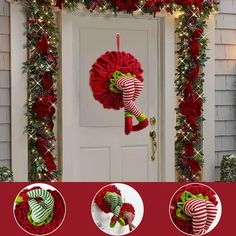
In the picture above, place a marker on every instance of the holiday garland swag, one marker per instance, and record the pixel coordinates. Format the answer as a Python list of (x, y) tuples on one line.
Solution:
[(42, 70)]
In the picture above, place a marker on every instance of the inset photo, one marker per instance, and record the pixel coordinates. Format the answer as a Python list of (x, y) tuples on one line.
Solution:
[(39, 209), (117, 209), (195, 209)]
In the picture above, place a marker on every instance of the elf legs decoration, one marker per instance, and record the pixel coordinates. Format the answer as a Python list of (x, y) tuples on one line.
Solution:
[(109, 200), (40, 210), (131, 88), (115, 202), (203, 214)]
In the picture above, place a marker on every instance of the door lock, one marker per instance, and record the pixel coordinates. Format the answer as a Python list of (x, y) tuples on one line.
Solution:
[(153, 121)]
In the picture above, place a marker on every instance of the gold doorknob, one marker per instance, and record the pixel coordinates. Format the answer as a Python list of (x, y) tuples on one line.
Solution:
[(153, 121), (153, 136)]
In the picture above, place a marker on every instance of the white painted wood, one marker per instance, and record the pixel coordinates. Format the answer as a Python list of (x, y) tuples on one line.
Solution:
[(76, 132), (4, 97), (5, 79), (209, 106), (225, 128), (4, 115), (137, 155), (228, 6), (218, 36), (225, 82), (4, 133), (4, 61), (4, 25), (4, 8), (225, 113), (91, 160), (19, 147), (229, 37), (226, 98), (225, 21), (225, 143), (167, 130), (4, 43), (5, 151)]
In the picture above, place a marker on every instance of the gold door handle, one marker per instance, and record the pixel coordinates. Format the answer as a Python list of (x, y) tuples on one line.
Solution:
[(153, 136)]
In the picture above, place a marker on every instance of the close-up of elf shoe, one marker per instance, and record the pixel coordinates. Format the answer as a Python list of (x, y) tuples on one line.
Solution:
[(39, 209), (117, 209), (195, 209)]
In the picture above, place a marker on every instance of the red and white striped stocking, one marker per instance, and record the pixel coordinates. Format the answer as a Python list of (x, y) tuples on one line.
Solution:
[(211, 214), (131, 88), (203, 213)]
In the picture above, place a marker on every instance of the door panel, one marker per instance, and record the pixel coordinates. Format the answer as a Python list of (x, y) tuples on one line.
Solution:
[(100, 150)]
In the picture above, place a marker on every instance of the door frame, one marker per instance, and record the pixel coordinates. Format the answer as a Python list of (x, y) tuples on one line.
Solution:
[(19, 96)]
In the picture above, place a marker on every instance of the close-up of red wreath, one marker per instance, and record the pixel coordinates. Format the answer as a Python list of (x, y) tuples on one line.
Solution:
[(116, 81), (109, 200), (22, 211), (194, 195)]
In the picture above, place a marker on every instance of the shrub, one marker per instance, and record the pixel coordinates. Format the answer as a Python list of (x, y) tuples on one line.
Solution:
[(228, 168)]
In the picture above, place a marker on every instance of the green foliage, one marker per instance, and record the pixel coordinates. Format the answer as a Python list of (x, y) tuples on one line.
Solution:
[(6, 175), (228, 168)]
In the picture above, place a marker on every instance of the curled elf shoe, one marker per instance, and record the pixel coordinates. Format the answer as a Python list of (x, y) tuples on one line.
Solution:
[(143, 123), (128, 123), (121, 221), (41, 211), (113, 221)]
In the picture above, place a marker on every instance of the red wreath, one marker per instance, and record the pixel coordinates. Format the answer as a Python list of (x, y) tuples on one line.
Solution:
[(22, 210), (99, 200), (102, 71), (186, 226)]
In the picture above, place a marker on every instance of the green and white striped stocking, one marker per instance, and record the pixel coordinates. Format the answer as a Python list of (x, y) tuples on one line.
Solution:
[(40, 211)]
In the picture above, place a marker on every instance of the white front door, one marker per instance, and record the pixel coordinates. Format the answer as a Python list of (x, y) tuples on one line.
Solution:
[(95, 147)]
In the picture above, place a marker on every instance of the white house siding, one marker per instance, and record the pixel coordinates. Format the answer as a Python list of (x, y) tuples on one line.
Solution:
[(225, 95), (5, 143)]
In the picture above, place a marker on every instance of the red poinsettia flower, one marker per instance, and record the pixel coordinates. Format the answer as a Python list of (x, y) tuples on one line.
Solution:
[(59, 3), (49, 162), (50, 124), (194, 166), (194, 48), (189, 149), (184, 2), (195, 137), (197, 32), (125, 5), (41, 145), (43, 107), (198, 3), (47, 81), (191, 108), (53, 61), (193, 73), (188, 89), (43, 44)]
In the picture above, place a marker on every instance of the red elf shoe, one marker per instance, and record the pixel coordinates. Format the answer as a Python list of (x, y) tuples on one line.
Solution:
[(143, 123), (128, 122)]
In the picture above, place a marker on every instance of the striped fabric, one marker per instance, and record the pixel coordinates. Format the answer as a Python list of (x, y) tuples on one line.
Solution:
[(203, 213), (115, 201), (131, 88), (40, 211)]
